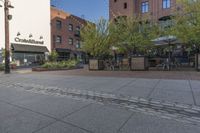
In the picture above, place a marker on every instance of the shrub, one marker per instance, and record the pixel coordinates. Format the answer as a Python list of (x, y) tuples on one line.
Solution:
[(60, 65), (53, 56)]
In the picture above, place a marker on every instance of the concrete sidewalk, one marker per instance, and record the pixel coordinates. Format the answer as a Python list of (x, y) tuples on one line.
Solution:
[(29, 103)]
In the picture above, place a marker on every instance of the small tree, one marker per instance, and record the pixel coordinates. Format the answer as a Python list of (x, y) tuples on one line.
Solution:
[(53, 56), (132, 34), (96, 39)]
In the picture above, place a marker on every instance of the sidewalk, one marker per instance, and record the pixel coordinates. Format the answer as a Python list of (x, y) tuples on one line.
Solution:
[(55, 103), (185, 75)]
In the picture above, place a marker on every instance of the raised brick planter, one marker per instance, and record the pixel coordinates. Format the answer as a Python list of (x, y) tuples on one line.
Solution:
[(40, 69)]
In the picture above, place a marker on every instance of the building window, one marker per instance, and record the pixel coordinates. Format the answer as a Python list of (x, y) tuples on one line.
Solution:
[(58, 24), (78, 28), (70, 41), (125, 5), (145, 7), (77, 32), (70, 28), (58, 39), (166, 4), (78, 45)]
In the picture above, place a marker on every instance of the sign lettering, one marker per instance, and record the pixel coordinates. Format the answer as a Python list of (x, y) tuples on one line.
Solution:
[(31, 41)]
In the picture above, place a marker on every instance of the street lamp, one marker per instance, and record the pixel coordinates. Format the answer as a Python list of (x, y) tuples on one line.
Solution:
[(8, 17)]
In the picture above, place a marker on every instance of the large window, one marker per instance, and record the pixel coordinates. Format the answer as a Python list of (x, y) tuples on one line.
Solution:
[(58, 24), (145, 7), (166, 4)]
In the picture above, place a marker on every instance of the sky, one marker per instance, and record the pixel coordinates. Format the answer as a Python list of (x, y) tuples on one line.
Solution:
[(89, 9)]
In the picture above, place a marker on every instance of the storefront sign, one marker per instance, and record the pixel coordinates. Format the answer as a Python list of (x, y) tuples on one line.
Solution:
[(31, 41)]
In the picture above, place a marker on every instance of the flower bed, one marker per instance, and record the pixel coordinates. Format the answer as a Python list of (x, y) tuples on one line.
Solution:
[(54, 66)]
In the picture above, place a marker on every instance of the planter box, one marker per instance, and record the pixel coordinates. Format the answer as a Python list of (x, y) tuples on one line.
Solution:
[(13, 66), (139, 63), (95, 64), (125, 64), (40, 69)]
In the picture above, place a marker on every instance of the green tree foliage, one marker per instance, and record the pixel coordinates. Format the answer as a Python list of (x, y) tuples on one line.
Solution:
[(96, 39), (132, 34), (53, 56), (187, 22), (125, 34)]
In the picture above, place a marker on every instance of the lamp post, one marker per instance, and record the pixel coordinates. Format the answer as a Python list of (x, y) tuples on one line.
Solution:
[(8, 17)]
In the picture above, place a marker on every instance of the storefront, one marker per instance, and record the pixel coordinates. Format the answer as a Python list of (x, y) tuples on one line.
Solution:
[(27, 55), (30, 35), (63, 54)]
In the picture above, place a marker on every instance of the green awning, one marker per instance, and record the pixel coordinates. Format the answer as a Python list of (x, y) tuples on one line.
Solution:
[(28, 48)]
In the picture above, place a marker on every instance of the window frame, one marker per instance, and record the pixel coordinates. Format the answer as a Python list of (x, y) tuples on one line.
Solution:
[(145, 7), (78, 44), (166, 4), (60, 39), (70, 27), (70, 41), (58, 24)]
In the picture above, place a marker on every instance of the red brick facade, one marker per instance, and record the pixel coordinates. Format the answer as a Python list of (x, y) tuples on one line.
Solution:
[(61, 35), (134, 7)]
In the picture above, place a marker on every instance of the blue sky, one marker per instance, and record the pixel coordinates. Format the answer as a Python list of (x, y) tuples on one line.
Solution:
[(91, 9)]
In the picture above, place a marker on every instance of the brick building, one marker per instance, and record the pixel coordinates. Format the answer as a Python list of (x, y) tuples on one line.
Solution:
[(156, 9), (65, 34)]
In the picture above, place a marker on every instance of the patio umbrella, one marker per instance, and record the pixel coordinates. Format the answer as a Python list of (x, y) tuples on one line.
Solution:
[(166, 41)]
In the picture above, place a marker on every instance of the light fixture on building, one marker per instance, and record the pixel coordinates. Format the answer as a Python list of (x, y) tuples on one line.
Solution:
[(9, 17), (9, 5), (18, 34), (41, 37), (30, 35)]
